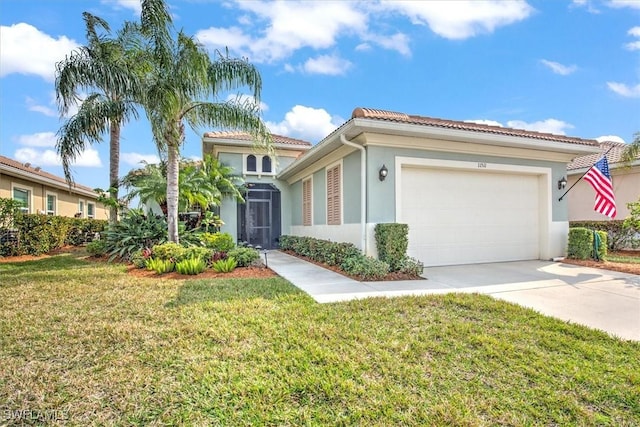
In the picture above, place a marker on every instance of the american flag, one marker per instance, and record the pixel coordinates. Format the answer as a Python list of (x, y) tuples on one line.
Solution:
[(600, 179)]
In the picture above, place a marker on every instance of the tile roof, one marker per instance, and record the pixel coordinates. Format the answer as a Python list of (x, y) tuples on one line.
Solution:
[(369, 113), (26, 167), (243, 136), (613, 156)]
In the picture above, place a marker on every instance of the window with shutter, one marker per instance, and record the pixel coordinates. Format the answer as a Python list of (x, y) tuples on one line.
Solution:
[(306, 202), (333, 196)]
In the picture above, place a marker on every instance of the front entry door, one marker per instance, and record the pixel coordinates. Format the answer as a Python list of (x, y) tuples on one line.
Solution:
[(259, 216)]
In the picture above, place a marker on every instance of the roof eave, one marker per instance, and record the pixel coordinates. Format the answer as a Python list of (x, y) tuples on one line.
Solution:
[(48, 181), (612, 166), (247, 143), (420, 130)]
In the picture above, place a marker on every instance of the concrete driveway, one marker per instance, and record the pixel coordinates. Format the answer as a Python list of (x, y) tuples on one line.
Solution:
[(601, 299)]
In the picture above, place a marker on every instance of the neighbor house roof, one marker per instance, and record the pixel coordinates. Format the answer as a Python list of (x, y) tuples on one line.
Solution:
[(243, 136), (35, 173), (392, 116), (614, 152)]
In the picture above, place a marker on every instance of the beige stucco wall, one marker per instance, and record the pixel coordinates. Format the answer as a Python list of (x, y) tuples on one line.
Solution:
[(67, 202), (626, 187)]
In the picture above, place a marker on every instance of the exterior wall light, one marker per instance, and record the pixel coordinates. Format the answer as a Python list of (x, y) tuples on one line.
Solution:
[(562, 183), (382, 174)]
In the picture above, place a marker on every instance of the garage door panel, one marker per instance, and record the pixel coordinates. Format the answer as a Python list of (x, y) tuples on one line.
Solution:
[(460, 216)]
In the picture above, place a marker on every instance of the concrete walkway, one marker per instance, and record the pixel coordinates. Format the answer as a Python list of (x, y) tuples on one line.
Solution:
[(597, 298)]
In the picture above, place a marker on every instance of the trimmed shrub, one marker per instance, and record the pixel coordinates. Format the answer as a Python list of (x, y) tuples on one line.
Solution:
[(244, 256), (219, 242), (581, 244), (620, 235), (225, 265), (97, 248), (332, 253), (169, 251), (411, 266), (191, 266), (365, 268), (392, 241), (197, 252)]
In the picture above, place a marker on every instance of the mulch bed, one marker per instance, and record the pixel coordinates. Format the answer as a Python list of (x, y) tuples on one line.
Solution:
[(608, 265)]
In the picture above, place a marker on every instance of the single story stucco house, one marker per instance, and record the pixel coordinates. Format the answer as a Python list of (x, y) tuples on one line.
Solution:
[(470, 193), (625, 180), (43, 193)]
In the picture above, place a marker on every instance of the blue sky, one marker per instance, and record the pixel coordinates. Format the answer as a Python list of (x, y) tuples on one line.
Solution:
[(565, 67)]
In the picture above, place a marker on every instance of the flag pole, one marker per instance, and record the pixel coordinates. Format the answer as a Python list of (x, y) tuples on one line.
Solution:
[(578, 180)]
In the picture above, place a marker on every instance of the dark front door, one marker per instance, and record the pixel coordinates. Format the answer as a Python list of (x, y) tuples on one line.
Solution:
[(259, 216)]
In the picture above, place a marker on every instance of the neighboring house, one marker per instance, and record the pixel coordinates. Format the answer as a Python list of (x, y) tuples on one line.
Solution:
[(44, 193), (625, 179), (470, 193)]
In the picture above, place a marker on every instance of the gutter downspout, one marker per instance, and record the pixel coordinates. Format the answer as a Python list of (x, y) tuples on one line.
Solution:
[(363, 190)]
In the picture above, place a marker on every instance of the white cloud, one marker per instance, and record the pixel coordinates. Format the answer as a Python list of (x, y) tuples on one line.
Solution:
[(554, 126), (89, 158), (556, 67), (26, 50), (398, 42), (485, 122), (634, 45), (363, 47), (134, 5), (327, 64), (286, 27), (136, 159), (40, 139), (32, 105), (587, 4), (463, 18), (311, 124), (633, 4), (611, 138), (625, 90)]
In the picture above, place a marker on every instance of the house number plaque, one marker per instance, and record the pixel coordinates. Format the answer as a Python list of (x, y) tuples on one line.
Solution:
[(482, 165)]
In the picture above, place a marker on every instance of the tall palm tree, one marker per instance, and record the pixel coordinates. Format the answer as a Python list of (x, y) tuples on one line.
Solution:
[(103, 69), (182, 88), (203, 184), (632, 150)]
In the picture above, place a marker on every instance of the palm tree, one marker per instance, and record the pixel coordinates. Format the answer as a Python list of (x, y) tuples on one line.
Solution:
[(202, 184), (632, 150), (104, 69), (182, 81)]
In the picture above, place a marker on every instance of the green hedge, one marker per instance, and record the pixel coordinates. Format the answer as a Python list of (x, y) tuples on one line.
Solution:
[(392, 241), (581, 244), (36, 234), (619, 236), (346, 256)]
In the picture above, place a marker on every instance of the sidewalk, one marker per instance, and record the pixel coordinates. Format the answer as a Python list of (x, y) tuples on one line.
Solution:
[(327, 286)]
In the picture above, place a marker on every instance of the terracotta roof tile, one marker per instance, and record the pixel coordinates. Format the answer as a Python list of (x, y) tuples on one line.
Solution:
[(613, 156), (243, 136), (369, 113), (26, 167)]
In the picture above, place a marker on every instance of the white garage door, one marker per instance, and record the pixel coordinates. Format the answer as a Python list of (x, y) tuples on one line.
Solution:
[(462, 217)]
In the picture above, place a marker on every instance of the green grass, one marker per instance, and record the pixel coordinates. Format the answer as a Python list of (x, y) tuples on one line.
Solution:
[(627, 259), (99, 347)]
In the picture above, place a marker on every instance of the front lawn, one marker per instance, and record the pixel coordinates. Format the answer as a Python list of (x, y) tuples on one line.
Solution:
[(86, 344)]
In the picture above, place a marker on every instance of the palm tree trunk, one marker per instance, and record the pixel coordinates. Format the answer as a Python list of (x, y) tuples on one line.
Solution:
[(114, 169), (173, 160)]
